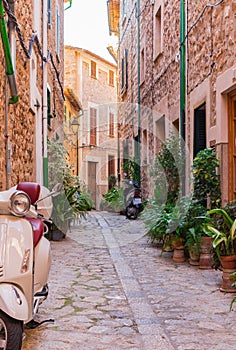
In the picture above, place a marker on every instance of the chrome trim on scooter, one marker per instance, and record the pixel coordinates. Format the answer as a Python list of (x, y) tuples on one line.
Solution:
[(19, 203), (13, 302), (25, 263), (3, 234)]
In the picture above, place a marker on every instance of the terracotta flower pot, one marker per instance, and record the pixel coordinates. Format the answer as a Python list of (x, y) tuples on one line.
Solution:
[(228, 264), (194, 255), (206, 253), (178, 246)]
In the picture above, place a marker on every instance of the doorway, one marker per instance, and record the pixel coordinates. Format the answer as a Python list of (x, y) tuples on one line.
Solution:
[(92, 183), (111, 172), (232, 146)]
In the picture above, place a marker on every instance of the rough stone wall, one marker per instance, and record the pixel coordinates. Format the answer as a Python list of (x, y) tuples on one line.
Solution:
[(160, 75), (210, 51), (71, 69), (20, 131), (56, 74), (211, 44)]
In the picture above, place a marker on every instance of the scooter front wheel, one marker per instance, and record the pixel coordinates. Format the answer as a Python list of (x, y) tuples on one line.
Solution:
[(131, 212), (11, 332)]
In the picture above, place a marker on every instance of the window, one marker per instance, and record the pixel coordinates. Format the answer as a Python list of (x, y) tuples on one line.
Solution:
[(199, 129), (111, 172), (111, 77), (49, 106), (111, 125), (124, 72), (93, 70), (58, 42), (157, 32), (49, 12), (142, 66), (93, 126)]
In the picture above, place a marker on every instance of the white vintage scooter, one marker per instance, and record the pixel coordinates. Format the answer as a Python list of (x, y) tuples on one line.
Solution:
[(25, 257)]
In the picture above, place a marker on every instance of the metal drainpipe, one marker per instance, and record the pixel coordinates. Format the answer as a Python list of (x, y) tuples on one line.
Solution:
[(182, 88), (7, 53), (45, 111), (69, 6), (182, 69), (138, 97)]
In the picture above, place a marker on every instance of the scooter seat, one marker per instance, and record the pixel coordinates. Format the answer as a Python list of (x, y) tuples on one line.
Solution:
[(38, 228), (31, 188)]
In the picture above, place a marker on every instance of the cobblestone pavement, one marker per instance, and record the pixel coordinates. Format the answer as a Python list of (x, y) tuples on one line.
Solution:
[(111, 290)]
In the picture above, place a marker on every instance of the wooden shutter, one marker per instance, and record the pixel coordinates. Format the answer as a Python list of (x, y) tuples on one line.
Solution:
[(111, 125), (93, 126), (111, 78), (93, 69), (199, 129)]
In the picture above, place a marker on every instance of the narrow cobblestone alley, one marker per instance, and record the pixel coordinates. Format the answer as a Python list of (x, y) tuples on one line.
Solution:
[(111, 290)]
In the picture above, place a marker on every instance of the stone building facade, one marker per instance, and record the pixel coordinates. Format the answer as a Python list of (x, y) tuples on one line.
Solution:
[(150, 75), (35, 31), (93, 81)]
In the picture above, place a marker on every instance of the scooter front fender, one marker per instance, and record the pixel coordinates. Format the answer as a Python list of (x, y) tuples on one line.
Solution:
[(13, 302)]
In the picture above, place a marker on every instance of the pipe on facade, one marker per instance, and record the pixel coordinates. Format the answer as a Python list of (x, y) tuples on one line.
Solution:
[(182, 88), (7, 53), (44, 107), (138, 97), (182, 69), (69, 6)]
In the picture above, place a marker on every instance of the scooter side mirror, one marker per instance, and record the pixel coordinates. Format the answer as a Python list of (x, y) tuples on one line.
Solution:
[(57, 189), (55, 192)]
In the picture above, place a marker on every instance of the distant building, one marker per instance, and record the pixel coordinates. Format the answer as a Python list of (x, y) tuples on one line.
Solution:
[(93, 81)]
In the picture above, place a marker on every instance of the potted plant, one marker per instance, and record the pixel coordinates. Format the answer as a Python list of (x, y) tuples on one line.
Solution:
[(193, 239), (206, 190), (224, 243), (206, 181), (74, 201)]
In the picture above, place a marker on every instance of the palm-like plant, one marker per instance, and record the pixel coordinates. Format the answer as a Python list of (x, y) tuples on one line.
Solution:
[(224, 238)]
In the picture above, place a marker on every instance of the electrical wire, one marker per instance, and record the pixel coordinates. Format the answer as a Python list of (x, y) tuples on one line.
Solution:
[(200, 17), (34, 39)]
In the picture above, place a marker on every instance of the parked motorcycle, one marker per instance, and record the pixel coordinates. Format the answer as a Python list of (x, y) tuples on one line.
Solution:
[(25, 257), (132, 199)]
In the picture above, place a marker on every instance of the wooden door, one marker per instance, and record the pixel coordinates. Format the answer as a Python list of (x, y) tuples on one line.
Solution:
[(92, 184), (111, 171), (232, 146)]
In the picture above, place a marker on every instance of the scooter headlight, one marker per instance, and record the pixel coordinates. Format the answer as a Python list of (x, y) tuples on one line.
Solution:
[(19, 203)]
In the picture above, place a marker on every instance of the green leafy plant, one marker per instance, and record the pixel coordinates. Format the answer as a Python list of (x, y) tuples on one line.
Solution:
[(167, 170), (156, 219), (162, 214), (67, 205), (113, 199), (112, 181), (193, 239), (131, 169), (224, 237), (206, 181)]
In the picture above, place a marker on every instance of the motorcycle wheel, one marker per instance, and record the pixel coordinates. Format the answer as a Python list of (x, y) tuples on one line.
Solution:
[(11, 332), (131, 213)]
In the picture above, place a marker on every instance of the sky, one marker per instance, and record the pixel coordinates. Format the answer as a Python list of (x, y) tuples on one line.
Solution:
[(86, 26)]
